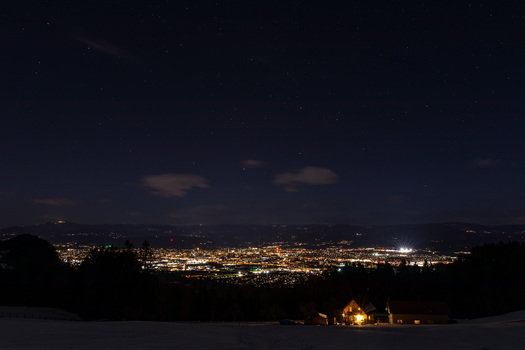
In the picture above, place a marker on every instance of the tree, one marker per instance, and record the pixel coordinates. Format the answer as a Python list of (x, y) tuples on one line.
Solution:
[(129, 246), (145, 253), (111, 264), (111, 284), (33, 273), (29, 254)]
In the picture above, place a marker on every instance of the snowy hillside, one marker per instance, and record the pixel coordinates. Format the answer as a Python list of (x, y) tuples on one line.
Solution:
[(503, 332)]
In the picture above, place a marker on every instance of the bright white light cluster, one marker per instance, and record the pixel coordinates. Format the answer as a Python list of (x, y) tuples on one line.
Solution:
[(405, 250)]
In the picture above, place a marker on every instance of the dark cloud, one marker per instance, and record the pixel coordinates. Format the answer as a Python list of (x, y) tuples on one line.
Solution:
[(208, 214), (107, 48), (257, 214), (309, 175), (397, 199), (486, 215), (55, 201), (173, 185), (252, 163), (486, 163)]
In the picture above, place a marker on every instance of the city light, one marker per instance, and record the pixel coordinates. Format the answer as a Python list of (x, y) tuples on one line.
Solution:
[(292, 265)]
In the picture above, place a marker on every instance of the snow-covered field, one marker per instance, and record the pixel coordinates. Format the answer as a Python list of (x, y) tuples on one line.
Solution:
[(502, 332)]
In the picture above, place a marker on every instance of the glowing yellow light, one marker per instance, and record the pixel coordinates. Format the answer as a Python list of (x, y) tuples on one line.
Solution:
[(359, 318)]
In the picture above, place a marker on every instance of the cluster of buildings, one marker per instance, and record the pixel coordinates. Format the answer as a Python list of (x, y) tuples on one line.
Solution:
[(397, 312), (275, 265)]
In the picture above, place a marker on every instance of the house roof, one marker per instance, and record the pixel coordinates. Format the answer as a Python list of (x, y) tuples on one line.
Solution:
[(418, 307), (369, 308)]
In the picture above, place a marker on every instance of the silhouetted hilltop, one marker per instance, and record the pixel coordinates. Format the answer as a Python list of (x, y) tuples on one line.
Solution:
[(441, 236)]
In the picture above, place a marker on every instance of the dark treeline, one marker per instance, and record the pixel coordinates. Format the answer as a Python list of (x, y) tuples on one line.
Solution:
[(116, 284)]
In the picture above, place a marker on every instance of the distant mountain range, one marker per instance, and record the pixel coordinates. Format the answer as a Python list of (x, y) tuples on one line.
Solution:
[(443, 236)]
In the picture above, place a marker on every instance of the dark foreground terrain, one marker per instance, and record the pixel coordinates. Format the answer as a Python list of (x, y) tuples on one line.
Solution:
[(504, 333)]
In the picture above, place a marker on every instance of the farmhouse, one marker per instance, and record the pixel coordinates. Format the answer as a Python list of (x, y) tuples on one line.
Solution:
[(355, 314), (319, 320), (417, 312)]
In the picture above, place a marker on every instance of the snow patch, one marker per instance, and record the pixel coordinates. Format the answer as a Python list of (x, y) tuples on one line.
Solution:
[(42, 334)]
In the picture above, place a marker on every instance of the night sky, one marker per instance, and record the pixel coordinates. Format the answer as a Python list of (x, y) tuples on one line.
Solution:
[(188, 112)]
